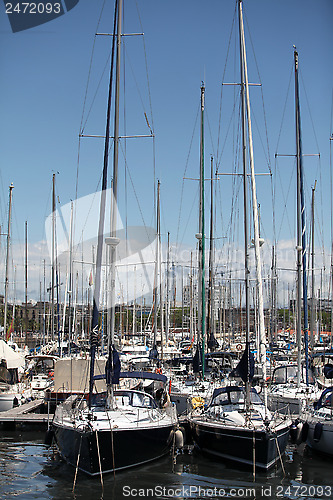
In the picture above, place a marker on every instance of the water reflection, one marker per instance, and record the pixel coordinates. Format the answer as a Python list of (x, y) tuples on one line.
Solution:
[(29, 470)]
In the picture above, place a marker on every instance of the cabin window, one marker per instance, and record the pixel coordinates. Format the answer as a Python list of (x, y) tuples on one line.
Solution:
[(221, 399), (237, 397), (141, 400), (123, 400)]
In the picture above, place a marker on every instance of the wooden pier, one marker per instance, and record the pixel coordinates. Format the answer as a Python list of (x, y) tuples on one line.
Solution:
[(26, 415)]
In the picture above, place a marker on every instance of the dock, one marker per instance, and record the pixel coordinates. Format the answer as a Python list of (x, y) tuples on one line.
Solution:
[(26, 415)]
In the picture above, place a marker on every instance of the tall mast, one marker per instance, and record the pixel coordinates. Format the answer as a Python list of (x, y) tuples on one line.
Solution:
[(167, 307), (114, 241), (53, 257), (70, 280), (246, 101), (94, 324), (44, 288), (11, 187), (211, 256), (245, 193), (156, 273), (159, 263), (26, 282), (301, 240), (331, 182), (312, 319), (202, 309)]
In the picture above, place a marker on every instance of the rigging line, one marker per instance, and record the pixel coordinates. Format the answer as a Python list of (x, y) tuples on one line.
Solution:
[(215, 212), (134, 191), (138, 89), (90, 70), (147, 72), (150, 106), (285, 106), (2, 205), (77, 171), (219, 159), (12, 239), (210, 130), (235, 198), (151, 128), (124, 62), (76, 247), (321, 225), (309, 111), (222, 80), (331, 124), (285, 203), (262, 93), (189, 217), (83, 125), (219, 156), (273, 208), (319, 230), (235, 182), (266, 154), (186, 167)]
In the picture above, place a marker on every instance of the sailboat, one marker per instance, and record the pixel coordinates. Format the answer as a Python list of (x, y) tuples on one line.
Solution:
[(293, 386), (237, 425), (318, 426), (13, 392), (190, 390), (123, 426)]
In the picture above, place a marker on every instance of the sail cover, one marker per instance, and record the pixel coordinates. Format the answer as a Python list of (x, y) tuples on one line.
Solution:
[(245, 368), (112, 367)]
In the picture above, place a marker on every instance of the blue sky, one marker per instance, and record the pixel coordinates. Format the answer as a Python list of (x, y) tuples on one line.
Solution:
[(43, 83)]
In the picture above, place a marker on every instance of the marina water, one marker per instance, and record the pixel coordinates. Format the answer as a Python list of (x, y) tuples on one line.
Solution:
[(30, 470)]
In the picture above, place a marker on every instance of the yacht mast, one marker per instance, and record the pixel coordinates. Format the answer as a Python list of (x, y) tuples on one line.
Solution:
[(201, 236), (246, 111), (211, 321), (245, 192), (94, 323), (301, 240), (312, 319), (11, 187)]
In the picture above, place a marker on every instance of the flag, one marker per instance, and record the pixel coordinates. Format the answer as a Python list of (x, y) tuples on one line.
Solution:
[(10, 329)]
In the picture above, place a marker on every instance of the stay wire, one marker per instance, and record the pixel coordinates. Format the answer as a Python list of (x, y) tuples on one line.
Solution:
[(183, 183)]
